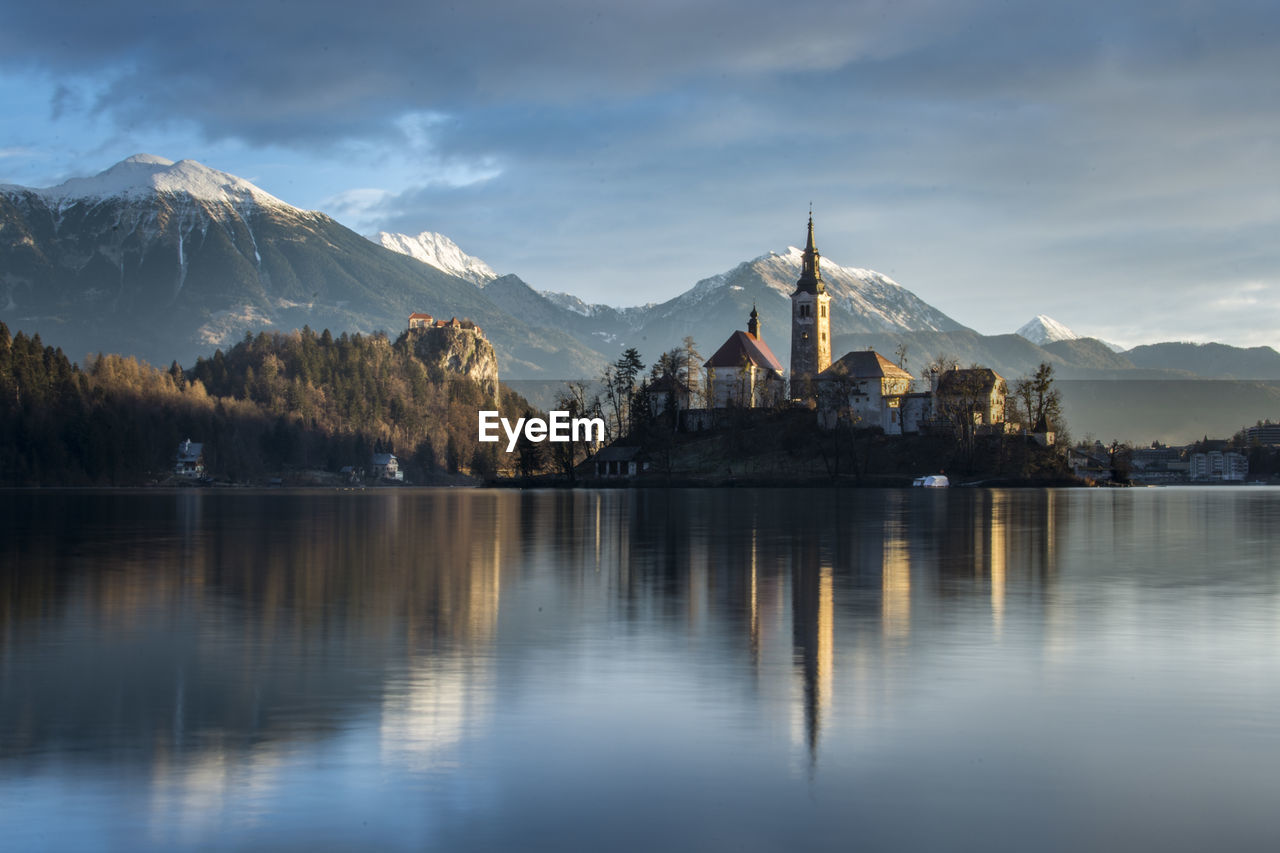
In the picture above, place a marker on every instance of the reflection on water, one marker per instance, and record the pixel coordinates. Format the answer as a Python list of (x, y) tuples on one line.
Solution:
[(685, 669)]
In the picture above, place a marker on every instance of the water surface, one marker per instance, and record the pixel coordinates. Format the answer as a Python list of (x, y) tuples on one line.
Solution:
[(687, 670)]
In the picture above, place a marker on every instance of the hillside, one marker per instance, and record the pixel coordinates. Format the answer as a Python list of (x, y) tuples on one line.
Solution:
[(1209, 360), (166, 261), (272, 405), (1169, 411)]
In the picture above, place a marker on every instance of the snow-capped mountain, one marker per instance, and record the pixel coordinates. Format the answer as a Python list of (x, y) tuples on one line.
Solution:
[(440, 252), (1043, 330), (872, 302), (1046, 330), (863, 301), (169, 260), (146, 176)]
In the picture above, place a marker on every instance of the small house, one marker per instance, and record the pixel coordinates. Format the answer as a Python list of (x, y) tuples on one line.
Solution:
[(419, 320), (385, 466), (189, 461), (667, 393), (616, 462)]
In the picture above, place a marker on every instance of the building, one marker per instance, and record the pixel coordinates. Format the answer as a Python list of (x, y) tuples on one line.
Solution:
[(385, 466), (617, 462), (418, 320), (744, 372), (865, 389), (810, 325), (1090, 463), (975, 395), (189, 461), (1218, 466), (1158, 464), (667, 393), (1263, 433)]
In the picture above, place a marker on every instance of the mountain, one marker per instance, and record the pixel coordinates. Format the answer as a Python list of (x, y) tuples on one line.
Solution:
[(1088, 353), (168, 260), (1043, 330), (710, 311), (1046, 330), (861, 301), (440, 252), (1214, 361)]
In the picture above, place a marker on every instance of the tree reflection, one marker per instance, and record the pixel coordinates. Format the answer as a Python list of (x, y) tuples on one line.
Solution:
[(165, 627)]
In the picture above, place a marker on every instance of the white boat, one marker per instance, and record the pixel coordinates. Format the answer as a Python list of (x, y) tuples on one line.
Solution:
[(932, 481)]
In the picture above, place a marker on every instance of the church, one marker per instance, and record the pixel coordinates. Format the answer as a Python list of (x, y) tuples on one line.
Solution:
[(862, 387), (744, 372)]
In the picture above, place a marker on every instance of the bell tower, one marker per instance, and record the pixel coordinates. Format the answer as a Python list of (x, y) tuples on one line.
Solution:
[(810, 324)]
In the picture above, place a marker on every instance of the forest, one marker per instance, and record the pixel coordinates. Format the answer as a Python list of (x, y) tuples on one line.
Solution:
[(272, 405)]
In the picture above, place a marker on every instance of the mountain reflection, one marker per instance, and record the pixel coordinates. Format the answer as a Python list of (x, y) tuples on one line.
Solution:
[(201, 633)]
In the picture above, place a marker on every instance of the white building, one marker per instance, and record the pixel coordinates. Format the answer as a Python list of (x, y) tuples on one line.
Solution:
[(744, 372), (1219, 466), (387, 467), (865, 389)]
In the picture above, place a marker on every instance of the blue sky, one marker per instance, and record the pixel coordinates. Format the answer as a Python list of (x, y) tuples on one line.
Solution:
[(1114, 165)]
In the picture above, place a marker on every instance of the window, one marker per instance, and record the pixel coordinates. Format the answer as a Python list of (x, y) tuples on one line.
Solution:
[(824, 311)]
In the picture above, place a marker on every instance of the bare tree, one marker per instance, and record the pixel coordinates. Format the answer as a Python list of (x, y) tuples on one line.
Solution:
[(574, 400), (1037, 399)]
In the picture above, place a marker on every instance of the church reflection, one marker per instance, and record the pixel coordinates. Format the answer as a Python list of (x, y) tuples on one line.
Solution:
[(204, 633)]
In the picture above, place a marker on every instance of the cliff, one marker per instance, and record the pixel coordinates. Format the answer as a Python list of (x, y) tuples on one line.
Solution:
[(457, 350)]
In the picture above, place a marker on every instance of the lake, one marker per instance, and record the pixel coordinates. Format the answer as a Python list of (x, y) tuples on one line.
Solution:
[(728, 669)]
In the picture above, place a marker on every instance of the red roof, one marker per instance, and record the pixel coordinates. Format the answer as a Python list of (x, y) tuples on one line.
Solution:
[(744, 348), (418, 315)]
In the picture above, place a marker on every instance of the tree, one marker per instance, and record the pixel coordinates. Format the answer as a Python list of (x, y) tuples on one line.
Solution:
[(619, 380), (1037, 399), (958, 401), (693, 373), (1120, 456), (567, 454)]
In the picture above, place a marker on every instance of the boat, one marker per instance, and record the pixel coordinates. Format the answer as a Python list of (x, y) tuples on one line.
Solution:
[(932, 481)]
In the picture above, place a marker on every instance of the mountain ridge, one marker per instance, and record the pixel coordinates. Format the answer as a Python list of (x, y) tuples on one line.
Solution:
[(183, 258)]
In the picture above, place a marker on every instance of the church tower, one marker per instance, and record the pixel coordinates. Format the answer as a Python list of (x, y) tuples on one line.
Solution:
[(810, 324)]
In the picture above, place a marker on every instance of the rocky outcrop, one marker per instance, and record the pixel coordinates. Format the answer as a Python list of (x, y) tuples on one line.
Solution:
[(459, 349)]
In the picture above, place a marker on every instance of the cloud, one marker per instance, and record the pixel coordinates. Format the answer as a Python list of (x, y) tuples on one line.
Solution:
[(357, 207), (281, 70), (1001, 159)]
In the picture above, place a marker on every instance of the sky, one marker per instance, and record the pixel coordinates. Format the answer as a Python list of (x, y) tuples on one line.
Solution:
[(1114, 165)]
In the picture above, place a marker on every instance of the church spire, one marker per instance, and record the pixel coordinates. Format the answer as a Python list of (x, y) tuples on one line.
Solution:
[(753, 325), (810, 273)]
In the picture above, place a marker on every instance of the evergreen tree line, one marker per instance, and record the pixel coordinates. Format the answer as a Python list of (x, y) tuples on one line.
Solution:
[(272, 403)]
